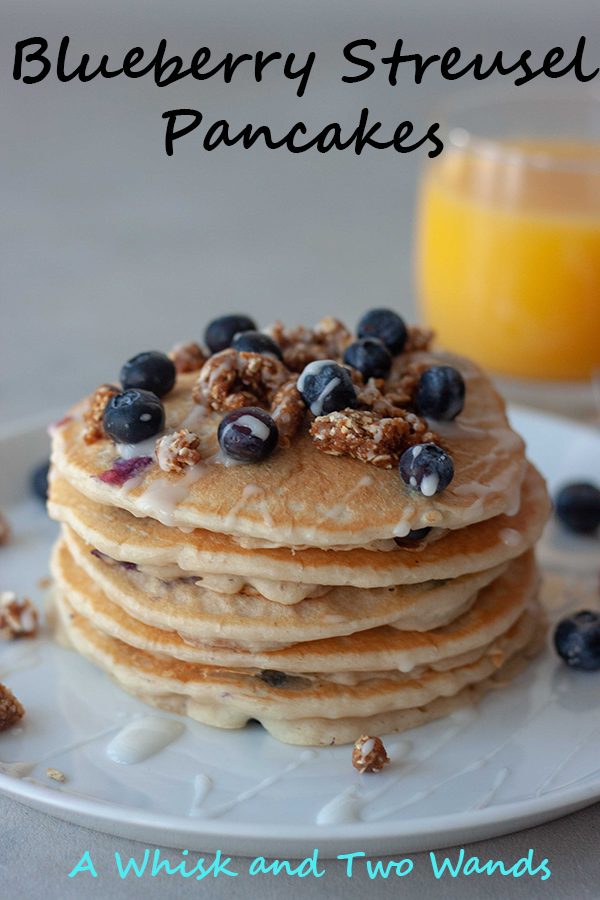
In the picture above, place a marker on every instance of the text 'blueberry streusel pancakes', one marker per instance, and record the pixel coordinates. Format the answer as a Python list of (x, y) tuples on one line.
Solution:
[(329, 533)]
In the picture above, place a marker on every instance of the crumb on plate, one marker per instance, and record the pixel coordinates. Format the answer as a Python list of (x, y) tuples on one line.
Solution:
[(18, 618), (10, 708)]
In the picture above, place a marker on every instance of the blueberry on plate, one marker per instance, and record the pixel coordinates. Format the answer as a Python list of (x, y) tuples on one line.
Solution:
[(151, 371), (577, 640), (39, 480), (578, 507), (370, 356), (248, 434), (426, 468), (440, 393), (385, 325), (326, 387), (133, 416), (220, 332), (256, 342)]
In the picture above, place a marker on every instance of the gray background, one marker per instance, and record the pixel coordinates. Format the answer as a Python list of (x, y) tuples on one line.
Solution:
[(109, 248)]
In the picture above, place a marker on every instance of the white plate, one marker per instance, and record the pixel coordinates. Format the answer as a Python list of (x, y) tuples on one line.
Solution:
[(527, 755)]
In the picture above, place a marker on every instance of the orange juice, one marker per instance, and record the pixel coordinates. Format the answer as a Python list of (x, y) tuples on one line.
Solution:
[(508, 259)]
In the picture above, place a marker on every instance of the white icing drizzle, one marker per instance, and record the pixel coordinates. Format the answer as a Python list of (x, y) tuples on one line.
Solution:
[(559, 766), (162, 496), (510, 537), (366, 748), (473, 766), (337, 511), (429, 484), (501, 776), (202, 788), (23, 656), (347, 806), (223, 808), (254, 425), (251, 490), (75, 745), (343, 809), (132, 483), (143, 738), (404, 525), (17, 769), (222, 459), (22, 769), (195, 418), (460, 724), (315, 368), (316, 407), (144, 448)]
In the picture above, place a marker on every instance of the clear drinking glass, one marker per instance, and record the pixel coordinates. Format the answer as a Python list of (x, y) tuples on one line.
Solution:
[(508, 239)]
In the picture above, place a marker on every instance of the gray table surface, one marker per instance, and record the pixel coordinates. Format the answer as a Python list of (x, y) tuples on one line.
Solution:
[(108, 248), (38, 852)]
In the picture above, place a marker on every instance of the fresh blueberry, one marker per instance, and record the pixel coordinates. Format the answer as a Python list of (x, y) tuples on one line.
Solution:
[(426, 468), (220, 332), (256, 342), (248, 434), (152, 371), (326, 387), (370, 356), (273, 678), (39, 480), (578, 507), (440, 393), (577, 640), (385, 325), (415, 534), (133, 416)]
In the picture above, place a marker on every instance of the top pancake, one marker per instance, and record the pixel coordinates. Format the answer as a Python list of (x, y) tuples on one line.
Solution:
[(301, 496)]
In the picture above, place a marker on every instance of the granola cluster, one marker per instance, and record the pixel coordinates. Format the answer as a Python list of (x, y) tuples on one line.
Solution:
[(175, 452), (288, 411), (301, 346), (378, 431), (231, 379), (395, 397), (92, 416), (18, 618), (366, 435), (418, 339), (10, 708), (368, 754), (187, 357)]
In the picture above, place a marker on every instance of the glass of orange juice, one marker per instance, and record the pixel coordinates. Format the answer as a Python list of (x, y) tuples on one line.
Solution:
[(508, 239)]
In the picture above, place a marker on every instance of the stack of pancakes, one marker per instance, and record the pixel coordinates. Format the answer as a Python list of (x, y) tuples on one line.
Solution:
[(290, 591)]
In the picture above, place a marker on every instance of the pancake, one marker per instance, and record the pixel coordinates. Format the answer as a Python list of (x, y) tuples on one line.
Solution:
[(230, 699), (494, 610), (483, 545), (246, 621), (294, 590), (301, 496), (326, 732)]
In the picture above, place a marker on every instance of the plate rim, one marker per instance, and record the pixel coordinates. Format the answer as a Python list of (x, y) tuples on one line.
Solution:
[(491, 820)]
